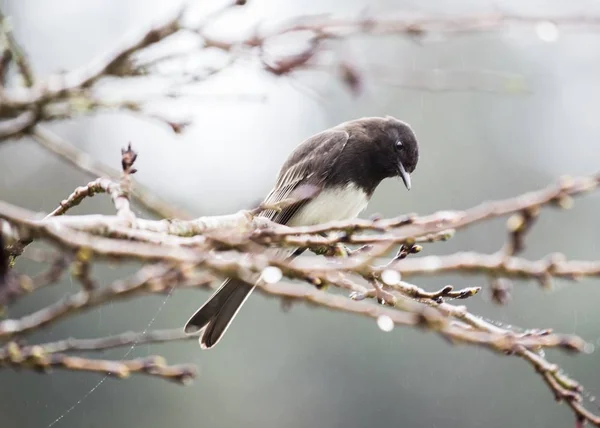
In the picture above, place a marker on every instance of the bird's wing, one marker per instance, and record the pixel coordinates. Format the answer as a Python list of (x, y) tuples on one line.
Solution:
[(302, 175)]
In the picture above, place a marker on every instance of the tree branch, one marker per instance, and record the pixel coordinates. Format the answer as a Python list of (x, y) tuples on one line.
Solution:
[(144, 196), (497, 264), (195, 252), (35, 358), (109, 342), (183, 252)]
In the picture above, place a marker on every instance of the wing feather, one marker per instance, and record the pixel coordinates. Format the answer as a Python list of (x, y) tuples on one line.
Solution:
[(304, 167)]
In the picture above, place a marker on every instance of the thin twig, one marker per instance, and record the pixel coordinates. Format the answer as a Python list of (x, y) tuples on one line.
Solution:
[(104, 343), (17, 54), (497, 264), (35, 358), (113, 64), (65, 150), (15, 126), (151, 279), (180, 253)]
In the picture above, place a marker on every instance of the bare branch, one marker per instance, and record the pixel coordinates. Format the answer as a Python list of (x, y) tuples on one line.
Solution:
[(151, 279), (103, 343), (15, 126), (115, 63), (88, 164), (429, 318), (36, 359), (182, 252), (413, 25), (194, 253), (9, 43), (496, 264)]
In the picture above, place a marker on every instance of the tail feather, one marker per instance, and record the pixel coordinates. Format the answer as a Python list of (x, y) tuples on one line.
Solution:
[(218, 312), (220, 309), (223, 318)]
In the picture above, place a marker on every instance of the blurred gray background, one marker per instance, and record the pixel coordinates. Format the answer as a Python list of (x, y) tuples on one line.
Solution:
[(311, 367)]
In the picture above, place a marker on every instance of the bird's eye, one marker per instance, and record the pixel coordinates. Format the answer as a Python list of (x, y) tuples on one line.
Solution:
[(399, 144)]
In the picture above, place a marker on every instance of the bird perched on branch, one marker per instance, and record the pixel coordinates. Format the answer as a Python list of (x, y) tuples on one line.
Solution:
[(341, 168)]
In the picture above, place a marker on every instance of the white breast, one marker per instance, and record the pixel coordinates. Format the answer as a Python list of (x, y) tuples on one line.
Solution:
[(331, 204)]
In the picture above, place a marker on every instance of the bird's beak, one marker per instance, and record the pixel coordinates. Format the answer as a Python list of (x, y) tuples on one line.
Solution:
[(404, 175)]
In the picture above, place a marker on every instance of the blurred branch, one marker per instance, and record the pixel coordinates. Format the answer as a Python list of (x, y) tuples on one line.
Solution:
[(17, 286), (193, 253), (104, 343), (39, 95), (35, 358), (66, 151), (116, 63), (181, 252), (415, 25), (496, 264), (14, 51), (17, 124), (151, 279), (23, 108)]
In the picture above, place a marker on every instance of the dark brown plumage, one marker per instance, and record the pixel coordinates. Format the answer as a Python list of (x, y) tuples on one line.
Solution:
[(345, 164)]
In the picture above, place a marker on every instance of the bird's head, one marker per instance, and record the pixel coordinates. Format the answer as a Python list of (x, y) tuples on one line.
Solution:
[(402, 147), (388, 147)]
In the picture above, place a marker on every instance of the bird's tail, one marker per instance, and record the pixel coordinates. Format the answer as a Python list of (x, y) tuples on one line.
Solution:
[(218, 312)]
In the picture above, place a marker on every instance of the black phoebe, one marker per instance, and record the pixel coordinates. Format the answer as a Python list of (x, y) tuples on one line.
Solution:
[(345, 164)]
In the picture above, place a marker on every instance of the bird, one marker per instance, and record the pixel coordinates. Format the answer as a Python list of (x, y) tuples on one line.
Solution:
[(341, 166)]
